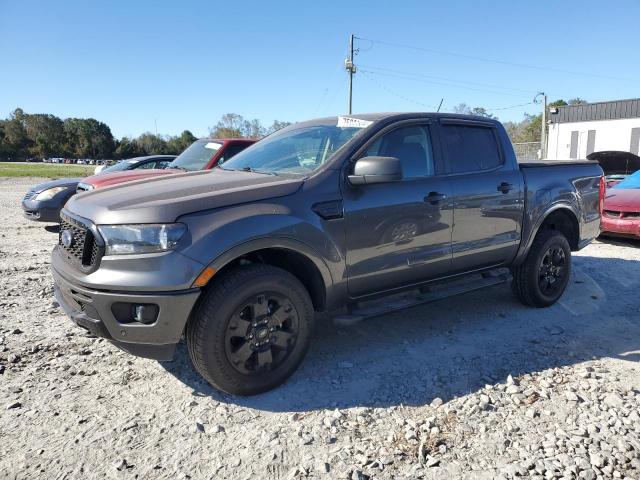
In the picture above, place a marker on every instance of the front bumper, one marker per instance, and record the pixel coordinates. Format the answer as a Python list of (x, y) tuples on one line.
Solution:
[(45, 211), (628, 227), (102, 313)]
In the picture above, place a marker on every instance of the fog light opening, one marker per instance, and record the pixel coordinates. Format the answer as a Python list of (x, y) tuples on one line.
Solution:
[(127, 313)]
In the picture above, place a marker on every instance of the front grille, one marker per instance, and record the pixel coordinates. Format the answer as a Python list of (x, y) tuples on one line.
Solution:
[(84, 250), (30, 194), (621, 215)]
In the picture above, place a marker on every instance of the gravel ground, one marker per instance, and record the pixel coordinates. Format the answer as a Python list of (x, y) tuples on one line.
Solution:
[(476, 386)]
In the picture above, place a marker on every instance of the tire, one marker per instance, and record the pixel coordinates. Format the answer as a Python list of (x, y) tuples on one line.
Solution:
[(543, 277), (254, 303)]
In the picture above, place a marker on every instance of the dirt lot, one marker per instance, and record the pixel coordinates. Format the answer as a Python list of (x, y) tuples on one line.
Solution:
[(476, 386)]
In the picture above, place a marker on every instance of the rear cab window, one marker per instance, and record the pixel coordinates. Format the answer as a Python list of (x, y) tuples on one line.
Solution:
[(470, 147)]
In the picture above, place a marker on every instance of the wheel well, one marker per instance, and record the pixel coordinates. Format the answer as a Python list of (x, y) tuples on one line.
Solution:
[(293, 262), (565, 222)]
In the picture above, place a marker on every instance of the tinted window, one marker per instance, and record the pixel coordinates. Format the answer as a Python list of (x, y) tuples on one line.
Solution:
[(147, 165), (231, 151), (412, 145), (197, 155), (470, 148)]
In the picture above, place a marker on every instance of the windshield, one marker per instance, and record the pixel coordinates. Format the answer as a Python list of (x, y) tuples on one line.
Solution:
[(632, 181), (118, 167), (196, 156), (297, 151)]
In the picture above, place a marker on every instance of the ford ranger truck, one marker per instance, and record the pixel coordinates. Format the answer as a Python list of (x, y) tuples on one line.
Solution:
[(320, 215)]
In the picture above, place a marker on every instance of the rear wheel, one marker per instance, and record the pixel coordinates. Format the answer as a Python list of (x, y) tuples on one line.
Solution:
[(251, 330), (542, 278)]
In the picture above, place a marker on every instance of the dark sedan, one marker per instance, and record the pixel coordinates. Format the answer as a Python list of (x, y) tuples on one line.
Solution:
[(43, 202)]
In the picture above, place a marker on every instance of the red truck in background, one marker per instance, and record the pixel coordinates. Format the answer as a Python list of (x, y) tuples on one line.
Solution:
[(202, 154)]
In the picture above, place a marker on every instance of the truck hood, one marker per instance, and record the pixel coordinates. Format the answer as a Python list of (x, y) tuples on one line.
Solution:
[(623, 199), (106, 179), (61, 182), (165, 198)]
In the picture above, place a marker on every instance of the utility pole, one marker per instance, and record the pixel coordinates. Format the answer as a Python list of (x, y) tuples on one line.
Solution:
[(543, 131), (351, 68), (544, 127)]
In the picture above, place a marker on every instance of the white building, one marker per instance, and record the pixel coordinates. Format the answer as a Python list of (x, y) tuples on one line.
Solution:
[(575, 131)]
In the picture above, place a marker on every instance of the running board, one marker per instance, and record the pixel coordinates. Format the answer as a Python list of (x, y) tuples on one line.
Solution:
[(427, 294)]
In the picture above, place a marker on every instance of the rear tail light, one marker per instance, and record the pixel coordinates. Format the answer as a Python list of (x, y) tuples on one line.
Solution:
[(601, 194)]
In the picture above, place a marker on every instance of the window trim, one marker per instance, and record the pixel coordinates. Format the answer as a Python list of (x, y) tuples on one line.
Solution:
[(470, 123), (436, 149)]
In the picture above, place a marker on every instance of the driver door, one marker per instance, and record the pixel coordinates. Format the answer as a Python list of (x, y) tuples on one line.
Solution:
[(399, 233)]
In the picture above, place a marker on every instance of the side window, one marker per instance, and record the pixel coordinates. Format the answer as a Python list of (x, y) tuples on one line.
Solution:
[(412, 145), (231, 151), (162, 164), (148, 165), (470, 148)]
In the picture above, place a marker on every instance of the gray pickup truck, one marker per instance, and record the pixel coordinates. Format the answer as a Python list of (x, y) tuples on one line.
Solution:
[(320, 216)]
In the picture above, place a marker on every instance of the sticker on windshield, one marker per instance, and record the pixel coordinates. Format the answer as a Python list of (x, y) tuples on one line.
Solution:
[(213, 146), (349, 122)]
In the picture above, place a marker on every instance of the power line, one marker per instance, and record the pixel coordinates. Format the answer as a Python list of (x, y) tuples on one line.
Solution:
[(393, 92), (448, 84), (421, 75), (508, 108), (496, 61)]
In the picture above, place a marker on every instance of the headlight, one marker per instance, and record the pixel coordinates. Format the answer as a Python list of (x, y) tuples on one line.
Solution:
[(147, 238), (49, 193), (84, 187)]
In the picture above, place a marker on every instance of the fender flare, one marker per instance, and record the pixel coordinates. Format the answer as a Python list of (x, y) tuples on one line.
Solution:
[(285, 243), (525, 245)]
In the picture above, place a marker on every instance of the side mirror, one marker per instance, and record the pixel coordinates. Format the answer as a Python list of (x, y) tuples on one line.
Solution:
[(376, 170)]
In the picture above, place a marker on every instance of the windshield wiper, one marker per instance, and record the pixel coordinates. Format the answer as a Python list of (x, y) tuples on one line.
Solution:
[(253, 170), (246, 169)]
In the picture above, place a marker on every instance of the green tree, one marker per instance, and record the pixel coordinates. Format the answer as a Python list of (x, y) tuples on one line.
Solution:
[(231, 125), (16, 141), (127, 148), (464, 109), (176, 145), (277, 125), (151, 144), (46, 134), (88, 138)]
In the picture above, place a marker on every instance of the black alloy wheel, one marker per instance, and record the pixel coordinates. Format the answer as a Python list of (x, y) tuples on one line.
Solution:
[(261, 334)]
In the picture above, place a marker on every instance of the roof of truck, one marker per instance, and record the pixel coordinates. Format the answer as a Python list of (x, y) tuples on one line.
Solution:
[(375, 116)]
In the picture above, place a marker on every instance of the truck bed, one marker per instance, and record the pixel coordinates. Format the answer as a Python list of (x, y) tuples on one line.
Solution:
[(551, 163)]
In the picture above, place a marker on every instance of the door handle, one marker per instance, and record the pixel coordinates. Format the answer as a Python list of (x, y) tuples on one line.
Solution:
[(504, 187), (434, 197)]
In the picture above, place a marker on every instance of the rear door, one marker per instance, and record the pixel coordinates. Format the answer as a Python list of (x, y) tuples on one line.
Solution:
[(399, 233), (487, 195)]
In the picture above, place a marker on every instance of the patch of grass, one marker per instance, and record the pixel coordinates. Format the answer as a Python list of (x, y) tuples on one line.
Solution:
[(47, 170)]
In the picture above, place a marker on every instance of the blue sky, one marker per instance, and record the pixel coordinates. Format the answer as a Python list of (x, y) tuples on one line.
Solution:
[(184, 64)]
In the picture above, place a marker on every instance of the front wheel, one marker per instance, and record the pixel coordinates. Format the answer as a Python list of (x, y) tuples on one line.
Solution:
[(543, 277), (251, 330)]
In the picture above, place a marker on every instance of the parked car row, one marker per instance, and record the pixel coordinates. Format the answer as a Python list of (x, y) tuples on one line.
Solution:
[(78, 161), (319, 216), (44, 202)]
